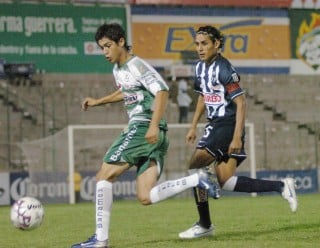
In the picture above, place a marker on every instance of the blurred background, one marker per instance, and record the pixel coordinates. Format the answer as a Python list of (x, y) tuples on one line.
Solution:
[(49, 63)]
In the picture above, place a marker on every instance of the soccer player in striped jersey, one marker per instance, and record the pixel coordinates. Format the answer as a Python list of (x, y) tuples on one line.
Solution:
[(222, 144)]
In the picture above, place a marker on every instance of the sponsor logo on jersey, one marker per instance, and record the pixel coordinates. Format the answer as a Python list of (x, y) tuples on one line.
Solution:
[(213, 98), (130, 99), (235, 77), (117, 154)]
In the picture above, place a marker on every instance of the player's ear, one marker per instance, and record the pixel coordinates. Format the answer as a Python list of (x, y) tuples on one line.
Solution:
[(122, 42), (217, 43)]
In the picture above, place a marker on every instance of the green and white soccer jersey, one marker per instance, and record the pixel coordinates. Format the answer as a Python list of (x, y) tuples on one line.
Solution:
[(139, 83)]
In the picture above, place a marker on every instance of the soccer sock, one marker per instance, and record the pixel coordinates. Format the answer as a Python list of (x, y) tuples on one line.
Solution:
[(250, 185), (104, 199), (201, 199), (172, 187), (230, 184)]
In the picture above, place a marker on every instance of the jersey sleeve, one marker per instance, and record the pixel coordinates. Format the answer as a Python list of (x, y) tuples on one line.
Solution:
[(148, 76), (229, 77)]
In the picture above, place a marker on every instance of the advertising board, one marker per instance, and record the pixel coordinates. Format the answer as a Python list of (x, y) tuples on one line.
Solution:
[(56, 38)]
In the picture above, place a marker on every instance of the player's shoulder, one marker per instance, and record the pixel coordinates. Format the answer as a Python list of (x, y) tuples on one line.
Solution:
[(136, 61), (221, 60), (139, 65)]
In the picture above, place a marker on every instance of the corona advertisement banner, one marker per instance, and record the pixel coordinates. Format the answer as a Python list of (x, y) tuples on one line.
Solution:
[(56, 38), (15, 185), (305, 41), (254, 42)]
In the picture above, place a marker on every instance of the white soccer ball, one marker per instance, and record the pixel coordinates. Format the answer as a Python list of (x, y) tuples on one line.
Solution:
[(27, 213)]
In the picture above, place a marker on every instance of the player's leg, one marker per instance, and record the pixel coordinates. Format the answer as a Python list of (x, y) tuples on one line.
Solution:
[(171, 188), (203, 227), (150, 168), (149, 193), (228, 181), (104, 199), (107, 174), (145, 182)]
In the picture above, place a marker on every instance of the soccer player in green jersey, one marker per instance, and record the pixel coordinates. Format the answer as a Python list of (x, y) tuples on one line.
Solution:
[(143, 143)]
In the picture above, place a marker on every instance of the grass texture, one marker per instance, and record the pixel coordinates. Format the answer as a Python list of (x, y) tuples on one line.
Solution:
[(244, 221)]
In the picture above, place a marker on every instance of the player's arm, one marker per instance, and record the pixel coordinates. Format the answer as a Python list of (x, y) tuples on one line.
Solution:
[(200, 108), (116, 96), (236, 143), (160, 106)]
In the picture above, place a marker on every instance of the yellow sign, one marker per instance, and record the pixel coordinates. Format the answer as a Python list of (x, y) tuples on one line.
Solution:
[(244, 39)]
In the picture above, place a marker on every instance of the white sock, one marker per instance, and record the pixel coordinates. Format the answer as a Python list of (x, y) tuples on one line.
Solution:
[(104, 199), (170, 188), (192, 171), (230, 184)]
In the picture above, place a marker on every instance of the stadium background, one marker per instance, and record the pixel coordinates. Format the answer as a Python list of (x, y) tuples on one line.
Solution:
[(49, 63)]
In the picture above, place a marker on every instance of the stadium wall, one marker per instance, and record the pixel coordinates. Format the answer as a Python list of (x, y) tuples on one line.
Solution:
[(17, 184)]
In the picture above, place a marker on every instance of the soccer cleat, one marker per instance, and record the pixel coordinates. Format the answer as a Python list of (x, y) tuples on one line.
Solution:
[(289, 193), (197, 231), (92, 242), (206, 182)]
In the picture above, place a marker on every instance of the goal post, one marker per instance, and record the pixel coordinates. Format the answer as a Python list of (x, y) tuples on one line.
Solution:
[(176, 134)]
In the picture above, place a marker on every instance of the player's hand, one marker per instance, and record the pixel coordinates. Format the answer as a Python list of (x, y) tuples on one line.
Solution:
[(235, 146), (88, 102), (191, 136), (152, 135)]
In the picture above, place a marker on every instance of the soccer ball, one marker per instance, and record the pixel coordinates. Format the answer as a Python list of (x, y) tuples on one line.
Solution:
[(27, 213)]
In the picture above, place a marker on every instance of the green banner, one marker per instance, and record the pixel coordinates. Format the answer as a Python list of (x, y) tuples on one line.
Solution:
[(56, 38)]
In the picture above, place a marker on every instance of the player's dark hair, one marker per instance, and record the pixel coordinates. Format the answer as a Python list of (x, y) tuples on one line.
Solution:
[(213, 33), (112, 31)]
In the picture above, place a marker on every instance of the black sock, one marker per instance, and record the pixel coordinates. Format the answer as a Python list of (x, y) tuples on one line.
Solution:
[(201, 198), (249, 185)]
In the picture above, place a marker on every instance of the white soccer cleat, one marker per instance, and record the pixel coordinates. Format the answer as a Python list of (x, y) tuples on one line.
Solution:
[(289, 193), (197, 231)]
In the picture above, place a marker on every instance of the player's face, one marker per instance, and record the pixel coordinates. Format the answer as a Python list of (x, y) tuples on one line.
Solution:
[(207, 49), (112, 51)]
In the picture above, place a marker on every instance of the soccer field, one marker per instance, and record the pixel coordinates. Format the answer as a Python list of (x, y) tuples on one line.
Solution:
[(263, 221)]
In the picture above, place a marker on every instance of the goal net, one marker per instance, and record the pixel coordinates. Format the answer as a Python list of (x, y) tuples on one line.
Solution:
[(52, 161)]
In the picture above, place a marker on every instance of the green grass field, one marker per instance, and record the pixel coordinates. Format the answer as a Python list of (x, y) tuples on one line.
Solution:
[(263, 221)]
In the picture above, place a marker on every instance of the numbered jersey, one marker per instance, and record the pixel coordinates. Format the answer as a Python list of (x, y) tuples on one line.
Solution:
[(139, 83), (218, 83)]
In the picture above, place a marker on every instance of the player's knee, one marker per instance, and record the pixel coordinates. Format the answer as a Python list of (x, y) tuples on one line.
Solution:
[(229, 184), (107, 174), (101, 176), (144, 200), (222, 181)]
